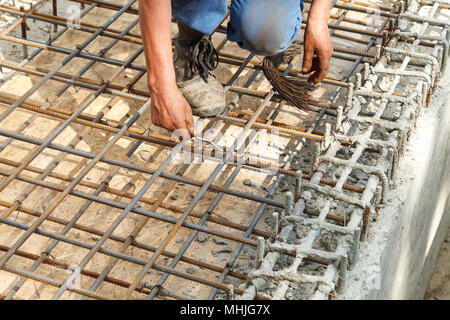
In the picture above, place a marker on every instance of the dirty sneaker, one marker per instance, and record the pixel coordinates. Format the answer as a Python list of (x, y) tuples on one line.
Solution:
[(194, 59)]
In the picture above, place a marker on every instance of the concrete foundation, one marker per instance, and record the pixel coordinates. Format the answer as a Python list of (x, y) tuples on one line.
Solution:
[(398, 258)]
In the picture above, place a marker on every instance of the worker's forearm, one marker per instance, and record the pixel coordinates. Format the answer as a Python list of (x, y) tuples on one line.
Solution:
[(320, 10), (155, 21)]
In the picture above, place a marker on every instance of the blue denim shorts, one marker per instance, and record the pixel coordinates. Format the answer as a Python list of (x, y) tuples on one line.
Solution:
[(264, 27)]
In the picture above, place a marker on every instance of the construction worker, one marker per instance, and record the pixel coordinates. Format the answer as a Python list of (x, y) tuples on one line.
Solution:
[(182, 84)]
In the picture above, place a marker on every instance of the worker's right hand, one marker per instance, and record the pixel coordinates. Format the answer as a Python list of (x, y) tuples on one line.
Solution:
[(170, 110)]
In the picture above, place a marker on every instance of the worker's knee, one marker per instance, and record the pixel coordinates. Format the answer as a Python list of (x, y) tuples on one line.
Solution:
[(265, 27), (201, 15)]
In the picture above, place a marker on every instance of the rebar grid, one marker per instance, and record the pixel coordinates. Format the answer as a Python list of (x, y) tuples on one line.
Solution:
[(127, 250), (387, 136)]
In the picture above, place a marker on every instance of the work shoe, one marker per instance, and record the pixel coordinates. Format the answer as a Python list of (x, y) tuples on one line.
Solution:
[(194, 59)]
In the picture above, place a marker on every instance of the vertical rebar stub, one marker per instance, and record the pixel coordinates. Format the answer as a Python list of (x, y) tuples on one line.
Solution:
[(365, 224), (298, 185), (316, 155), (394, 164), (23, 26), (288, 203), (260, 251), (55, 13), (358, 80), (366, 71), (275, 226), (339, 116), (327, 136), (378, 192), (377, 53), (343, 267), (349, 97)]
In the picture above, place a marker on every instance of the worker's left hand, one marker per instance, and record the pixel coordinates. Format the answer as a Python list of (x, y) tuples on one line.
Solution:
[(318, 49)]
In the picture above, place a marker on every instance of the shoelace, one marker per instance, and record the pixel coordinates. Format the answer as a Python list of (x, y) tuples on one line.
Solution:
[(203, 58)]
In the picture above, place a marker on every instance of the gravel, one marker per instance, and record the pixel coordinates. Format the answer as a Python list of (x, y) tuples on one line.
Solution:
[(202, 237), (220, 241)]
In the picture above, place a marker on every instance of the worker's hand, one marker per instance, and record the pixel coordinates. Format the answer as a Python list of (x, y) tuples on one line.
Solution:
[(170, 110), (318, 49)]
